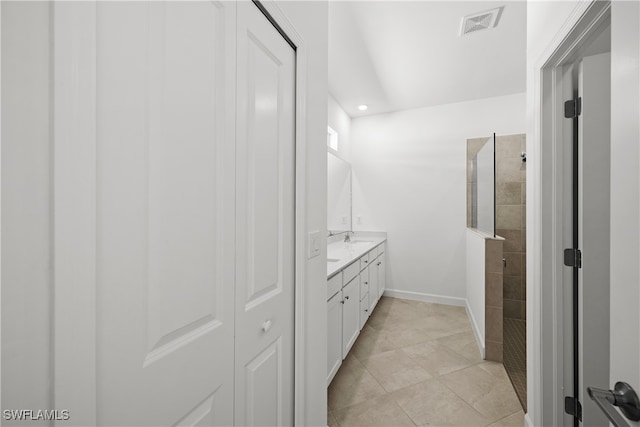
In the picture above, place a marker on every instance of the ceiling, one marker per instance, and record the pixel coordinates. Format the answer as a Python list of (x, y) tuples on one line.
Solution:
[(396, 55)]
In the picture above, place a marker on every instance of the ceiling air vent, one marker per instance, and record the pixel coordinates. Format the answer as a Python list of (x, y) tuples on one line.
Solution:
[(480, 21)]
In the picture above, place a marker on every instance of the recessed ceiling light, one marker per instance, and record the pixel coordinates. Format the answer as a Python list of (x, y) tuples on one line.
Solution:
[(362, 107)]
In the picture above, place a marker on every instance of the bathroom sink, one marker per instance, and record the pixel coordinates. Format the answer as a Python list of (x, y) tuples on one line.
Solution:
[(333, 260)]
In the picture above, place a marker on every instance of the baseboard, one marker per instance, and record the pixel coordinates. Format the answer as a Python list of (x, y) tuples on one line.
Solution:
[(476, 329), (527, 420), (419, 296)]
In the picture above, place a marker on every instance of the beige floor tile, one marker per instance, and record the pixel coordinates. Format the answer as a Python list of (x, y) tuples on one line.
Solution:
[(387, 377), (331, 420), (432, 403), (395, 370), (352, 384), (491, 395), (406, 335), (494, 368), (436, 359), (464, 344), (370, 342), (381, 411), (514, 420)]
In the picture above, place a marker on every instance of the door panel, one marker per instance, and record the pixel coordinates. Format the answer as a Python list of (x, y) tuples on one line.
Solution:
[(334, 335), (593, 231), (265, 222), (373, 284), (165, 213)]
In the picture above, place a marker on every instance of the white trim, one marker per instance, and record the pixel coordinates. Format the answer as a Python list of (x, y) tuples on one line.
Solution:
[(278, 16), (74, 207), (545, 176), (476, 330), (420, 296)]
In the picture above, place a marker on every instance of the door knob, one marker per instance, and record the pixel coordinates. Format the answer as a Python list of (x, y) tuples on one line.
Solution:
[(266, 325), (623, 396)]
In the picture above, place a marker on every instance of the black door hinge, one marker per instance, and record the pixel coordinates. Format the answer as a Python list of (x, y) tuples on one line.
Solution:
[(572, 108), (573, 407), (573, 258)]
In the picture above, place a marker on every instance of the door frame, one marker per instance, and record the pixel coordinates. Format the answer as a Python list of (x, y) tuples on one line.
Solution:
[(547, 217), (74, 269)]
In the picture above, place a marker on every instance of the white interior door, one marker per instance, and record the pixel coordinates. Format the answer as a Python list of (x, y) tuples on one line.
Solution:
[(164, 216), (594, 146), (625, 196), (265, 222)]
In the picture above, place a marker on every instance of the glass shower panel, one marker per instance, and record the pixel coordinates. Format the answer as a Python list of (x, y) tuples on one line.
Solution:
[(484, 186)]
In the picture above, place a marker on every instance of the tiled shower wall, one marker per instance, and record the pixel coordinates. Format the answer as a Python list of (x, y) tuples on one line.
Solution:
[(510, 221)]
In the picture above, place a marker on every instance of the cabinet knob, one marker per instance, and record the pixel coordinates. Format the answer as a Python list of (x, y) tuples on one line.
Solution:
[(379, 263), (366, 309), (366, 261), (346, 297), (366, 283), (266, 325), (342, 302)]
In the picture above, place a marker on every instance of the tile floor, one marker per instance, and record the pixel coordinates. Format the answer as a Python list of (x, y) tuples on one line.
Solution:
[(417, 364)]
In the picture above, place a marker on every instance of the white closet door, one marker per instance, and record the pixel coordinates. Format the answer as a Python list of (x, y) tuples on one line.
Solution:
[(164, 205), (265, 222)]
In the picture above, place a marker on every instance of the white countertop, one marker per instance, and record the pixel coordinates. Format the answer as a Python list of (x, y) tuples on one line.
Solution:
[(346, 253)]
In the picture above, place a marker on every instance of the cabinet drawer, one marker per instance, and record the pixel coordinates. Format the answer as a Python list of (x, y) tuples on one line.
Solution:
[(334, 285), (373, 254), (380, 248), (364, 261), (349, 273)]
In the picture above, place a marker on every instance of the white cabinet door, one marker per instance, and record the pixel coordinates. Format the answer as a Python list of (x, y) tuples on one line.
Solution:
[(373, 284), (149, 209), (334, 335), (265, 178), (174, 201), (350, 316), (364, 310), (382, 278)]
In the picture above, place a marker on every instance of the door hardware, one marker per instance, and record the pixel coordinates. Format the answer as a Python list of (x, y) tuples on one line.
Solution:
[(573, 258), (572, 108), (623, 396), (573, 407)]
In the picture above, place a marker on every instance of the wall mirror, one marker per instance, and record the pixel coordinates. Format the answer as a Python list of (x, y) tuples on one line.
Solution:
[(338, 194)]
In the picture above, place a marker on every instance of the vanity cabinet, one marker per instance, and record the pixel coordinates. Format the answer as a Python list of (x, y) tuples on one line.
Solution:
[(350, 315), (373, 285), (381, 265), (352, 294)]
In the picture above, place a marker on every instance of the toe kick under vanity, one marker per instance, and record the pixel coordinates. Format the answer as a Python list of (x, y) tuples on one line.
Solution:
[(355, 283)]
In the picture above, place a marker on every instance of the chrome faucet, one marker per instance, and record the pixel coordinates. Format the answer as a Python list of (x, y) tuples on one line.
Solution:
[(347, 238)]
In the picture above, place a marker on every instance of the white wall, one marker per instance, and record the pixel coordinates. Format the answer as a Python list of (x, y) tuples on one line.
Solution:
[(476, 247), (310, 20), (410, 181), (25, 206), (340, 121)]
